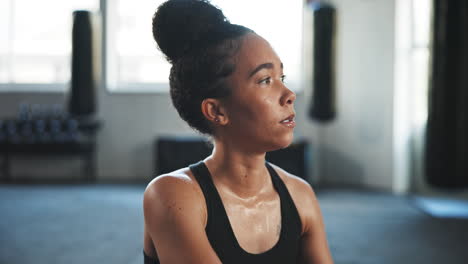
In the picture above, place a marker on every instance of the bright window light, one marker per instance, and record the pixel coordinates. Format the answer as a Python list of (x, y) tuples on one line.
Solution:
[(421, 25)]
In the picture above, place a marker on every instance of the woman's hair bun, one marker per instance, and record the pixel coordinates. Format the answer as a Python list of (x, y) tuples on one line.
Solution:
[(180, 26)]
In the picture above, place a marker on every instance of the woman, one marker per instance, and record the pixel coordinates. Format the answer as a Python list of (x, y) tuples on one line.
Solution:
[(233, 207)]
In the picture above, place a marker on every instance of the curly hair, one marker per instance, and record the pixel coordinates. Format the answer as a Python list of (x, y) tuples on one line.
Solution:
[(200, 43)]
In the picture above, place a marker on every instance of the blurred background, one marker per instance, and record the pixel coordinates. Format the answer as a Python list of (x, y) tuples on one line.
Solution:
[(86, 121)]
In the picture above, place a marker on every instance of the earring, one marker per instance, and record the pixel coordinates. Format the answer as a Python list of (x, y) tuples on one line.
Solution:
[(217, 120)]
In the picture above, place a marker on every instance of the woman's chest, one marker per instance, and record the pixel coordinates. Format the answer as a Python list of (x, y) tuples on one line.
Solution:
[(256, 224)]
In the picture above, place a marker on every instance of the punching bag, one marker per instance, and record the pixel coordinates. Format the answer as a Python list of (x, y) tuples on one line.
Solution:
[(322, 107), (82, 102)]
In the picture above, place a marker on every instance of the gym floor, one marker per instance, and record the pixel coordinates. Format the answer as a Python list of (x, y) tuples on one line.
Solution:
[(103, 223)]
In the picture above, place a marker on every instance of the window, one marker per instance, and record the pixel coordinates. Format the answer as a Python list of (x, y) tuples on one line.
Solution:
[(35, 43), (134, 63), (412, 56), (420, 48), (418, 92)]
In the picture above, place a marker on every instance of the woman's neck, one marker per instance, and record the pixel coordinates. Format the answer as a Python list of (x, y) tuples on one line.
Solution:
[(240, 172)]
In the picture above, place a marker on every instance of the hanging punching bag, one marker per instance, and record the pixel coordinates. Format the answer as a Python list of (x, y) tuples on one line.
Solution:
[(82, 95), (322, 106)]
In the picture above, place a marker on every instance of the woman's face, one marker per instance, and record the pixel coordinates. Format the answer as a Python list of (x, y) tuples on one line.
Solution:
[(261, 108)]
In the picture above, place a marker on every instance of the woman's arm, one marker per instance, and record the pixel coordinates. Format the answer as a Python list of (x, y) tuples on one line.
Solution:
[(314, 245), (175, 216)]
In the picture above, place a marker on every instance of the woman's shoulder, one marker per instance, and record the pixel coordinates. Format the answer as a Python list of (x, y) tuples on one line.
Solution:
[(174, 190), (303, 196), (182, 178), (296, 185), (175, 217)]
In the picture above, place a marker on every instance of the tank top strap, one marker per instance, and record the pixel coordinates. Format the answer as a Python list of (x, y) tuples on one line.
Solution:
[(287, 205), (202, 175), (219, 235)]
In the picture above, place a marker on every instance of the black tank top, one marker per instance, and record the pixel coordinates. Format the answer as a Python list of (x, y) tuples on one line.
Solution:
[(221, 235)]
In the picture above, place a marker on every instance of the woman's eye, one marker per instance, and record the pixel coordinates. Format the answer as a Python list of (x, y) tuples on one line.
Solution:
[(265, 81)]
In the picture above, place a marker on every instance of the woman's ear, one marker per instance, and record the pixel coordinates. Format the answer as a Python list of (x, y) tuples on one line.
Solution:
[(214, 111)]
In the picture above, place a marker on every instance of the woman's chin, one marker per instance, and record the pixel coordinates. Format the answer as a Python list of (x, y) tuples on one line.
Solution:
[(283, 142), (288, 140)]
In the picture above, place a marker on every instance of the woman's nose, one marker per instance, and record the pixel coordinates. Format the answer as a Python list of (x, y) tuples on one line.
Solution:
[(289, 97)]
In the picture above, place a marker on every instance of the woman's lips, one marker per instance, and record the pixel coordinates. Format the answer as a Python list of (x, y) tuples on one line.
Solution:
[(289, 122)]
